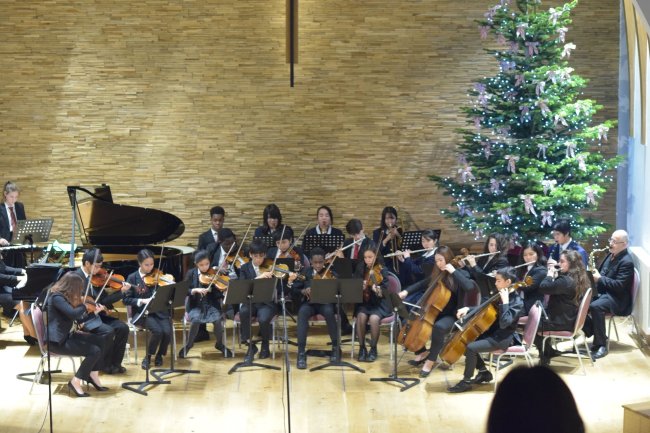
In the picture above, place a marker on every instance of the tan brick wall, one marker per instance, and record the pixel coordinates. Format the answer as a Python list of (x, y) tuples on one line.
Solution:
[(181, 105)]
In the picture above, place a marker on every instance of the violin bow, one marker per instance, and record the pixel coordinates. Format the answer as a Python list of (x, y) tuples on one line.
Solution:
[(241, 244), (295, 241), (275, 259), (90, 277), (332, 262)]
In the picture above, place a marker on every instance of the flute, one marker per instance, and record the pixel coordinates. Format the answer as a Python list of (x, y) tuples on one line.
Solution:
[(333, 253), (494, 273), (401, 253)]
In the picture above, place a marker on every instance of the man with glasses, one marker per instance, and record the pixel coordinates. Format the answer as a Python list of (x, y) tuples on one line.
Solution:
[(614, 279)]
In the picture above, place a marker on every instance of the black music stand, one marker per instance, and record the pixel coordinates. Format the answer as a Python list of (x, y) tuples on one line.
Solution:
[(268, 240), (337, 291), (240, 291), (413, 240), (30, 231), (345, 267), (329, 243), (399, 310), (160, 302), (178, 300)]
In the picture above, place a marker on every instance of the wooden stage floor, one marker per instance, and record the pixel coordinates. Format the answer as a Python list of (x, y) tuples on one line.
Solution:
[(333, 400)]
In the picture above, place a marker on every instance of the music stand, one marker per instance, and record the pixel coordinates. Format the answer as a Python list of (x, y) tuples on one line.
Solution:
[(345, 267), (30, 231), (268, 240), (327, 242), (179, 293), (240, 291), (399, 310), (160, 302), (337, 291)]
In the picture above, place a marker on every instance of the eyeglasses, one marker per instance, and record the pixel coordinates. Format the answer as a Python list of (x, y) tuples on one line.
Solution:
[(614, 241)]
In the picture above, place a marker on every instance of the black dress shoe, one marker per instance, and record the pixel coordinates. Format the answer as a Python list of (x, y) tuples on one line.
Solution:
[(227, 353), (77, 393), (302, 361), (336, 354), (462, 386), (183, 352), (600, 353), (363, 354), (372, 355), (264, 352), (158, 361), (118, 369), (250, 354), (30, 340), (146, 362), (97, 387), (482, 377), (415, 362)]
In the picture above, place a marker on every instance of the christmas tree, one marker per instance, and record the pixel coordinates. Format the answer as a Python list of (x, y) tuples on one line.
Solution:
[(530, 153)]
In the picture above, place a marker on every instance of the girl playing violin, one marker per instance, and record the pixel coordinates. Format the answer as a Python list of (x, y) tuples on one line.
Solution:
[(303, 292), (375, 305), (458, 282), (158, 323), (324, 221), (390, 237), (64, 306), (271, 221), (498, 337), (203, 304), (283, 249)]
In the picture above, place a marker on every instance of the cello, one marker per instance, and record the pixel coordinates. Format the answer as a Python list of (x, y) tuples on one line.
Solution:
[(418, 329), (476, 324)]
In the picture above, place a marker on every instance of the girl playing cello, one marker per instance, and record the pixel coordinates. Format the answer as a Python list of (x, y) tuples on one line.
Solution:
[(457, 281)]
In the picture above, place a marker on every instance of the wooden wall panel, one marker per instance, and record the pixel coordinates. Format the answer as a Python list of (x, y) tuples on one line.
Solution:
[(181, 105)]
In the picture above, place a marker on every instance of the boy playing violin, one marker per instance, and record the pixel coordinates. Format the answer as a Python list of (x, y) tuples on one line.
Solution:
[(302, 291), (375, 305), (114, 332), (498, 337), (204, 303)]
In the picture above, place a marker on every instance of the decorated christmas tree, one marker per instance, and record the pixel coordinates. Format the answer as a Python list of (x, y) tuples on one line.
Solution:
[(530, 153)]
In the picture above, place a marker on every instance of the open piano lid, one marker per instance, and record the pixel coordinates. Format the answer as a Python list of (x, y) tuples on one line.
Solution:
[(102, 222)]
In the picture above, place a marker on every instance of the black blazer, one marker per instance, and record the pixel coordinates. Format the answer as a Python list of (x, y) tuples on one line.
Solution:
[(335, 231), (413, 267), (617, 277), (561, 310), (137, 291), (480, 271), (206, 240), (105, 299), (504, 328), (5, 226), (459, 283), (532, 293), (554, 252), (61, 317)]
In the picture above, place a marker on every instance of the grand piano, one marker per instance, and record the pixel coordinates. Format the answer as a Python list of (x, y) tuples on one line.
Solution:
[(120, 231)]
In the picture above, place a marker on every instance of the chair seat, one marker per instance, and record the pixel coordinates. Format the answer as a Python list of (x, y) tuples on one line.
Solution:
[(522, 320), (511, 350), (317, 318), (387, 320), (566, 334)]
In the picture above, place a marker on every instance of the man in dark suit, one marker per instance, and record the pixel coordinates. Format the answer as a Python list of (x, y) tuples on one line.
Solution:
[(10, 213), (208, 240), (614, 279), (563, 241)]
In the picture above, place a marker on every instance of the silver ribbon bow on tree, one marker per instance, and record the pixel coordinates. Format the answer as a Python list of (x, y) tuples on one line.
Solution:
[(582, 164), (464, 210), (484, 31), (466, 173), (548, 185), (602, 132), (541, 150), (554, 14), (547, 217), (566, 52), (561, 34), (532, 48), (590, 195), (521, 30), (528, 203), (512, 160), (570, 149), (504, 214)]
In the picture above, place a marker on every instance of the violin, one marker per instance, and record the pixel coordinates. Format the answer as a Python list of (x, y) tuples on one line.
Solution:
[(156, 276), (456, 261), (372, 277), (324, 274), (103, 278), (279, 270), (476, 324), (212, 277), (237, 260)]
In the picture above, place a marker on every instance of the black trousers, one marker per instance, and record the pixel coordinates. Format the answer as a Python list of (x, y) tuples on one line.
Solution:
[(161, 334), (115, 354), (595, 322), (264, 314), (472, 358), (441, 328), (82, 344), (307, 310)]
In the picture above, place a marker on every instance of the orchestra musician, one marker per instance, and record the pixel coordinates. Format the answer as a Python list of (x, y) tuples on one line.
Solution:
[(264, 311), (11, 212), (283, 250), (64, 306), (16, 278), (390, 236), (324, 219), (614, 279), (306, 310), (138, 296), (565, 287), (496, 245), (114, 331), (498, 336), (458, 282), (271, 221), (354, 227), (412, 268), (211, 237), (204, 304), (563, 241), (533, 254), (228, 244), (375, 305)]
